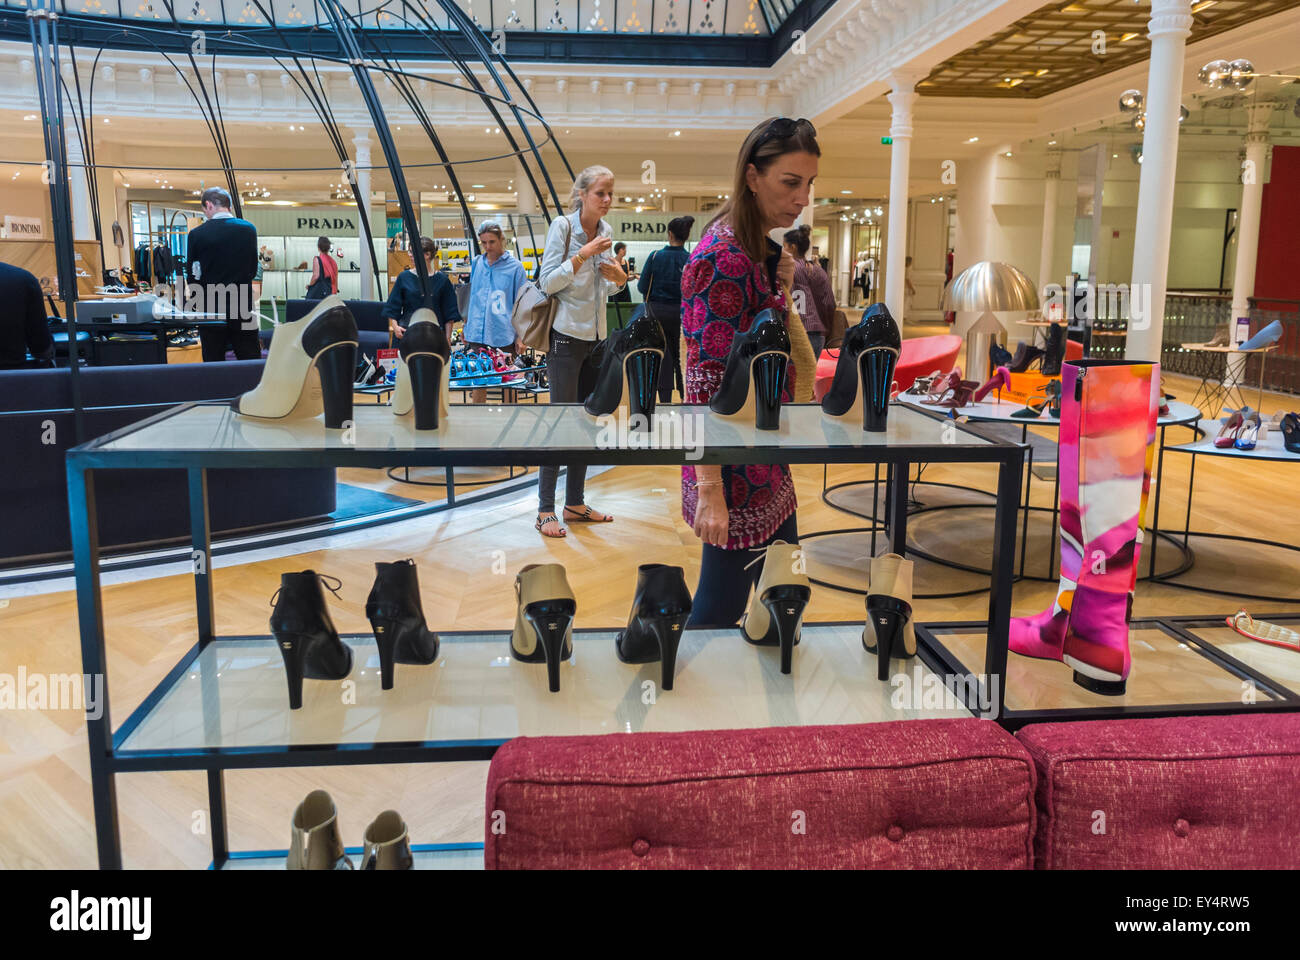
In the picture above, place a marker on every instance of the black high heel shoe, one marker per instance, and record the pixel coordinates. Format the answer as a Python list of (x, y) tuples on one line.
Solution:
[(776, 607), (762, 353), (1291, 432), (423, 372), (1024, 356), (634, 355), (305, 633), (660, 609), (309, 368), (397, 618), (865, 370), (999, 356), (888, 631), (1054, 354)]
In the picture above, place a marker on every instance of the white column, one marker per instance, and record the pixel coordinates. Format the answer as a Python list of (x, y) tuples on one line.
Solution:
[(901, 98), (1170, 25), (1051, 197), (361, 144), (527, 200), (844, 263), (83, 220), (1252, 197), (975, 221)]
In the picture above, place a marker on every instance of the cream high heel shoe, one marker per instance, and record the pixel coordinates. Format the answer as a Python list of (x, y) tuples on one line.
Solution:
[(309, 368), (317, 843), (543, 618), (889, 611), (387, 844), (423, 371), (775, 614)]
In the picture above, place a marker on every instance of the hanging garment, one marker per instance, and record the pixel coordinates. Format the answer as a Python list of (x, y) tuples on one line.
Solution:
[(119, 239), (144, 263)]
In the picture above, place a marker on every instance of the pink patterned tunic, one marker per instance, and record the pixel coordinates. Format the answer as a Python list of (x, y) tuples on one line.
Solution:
[(722, 291)]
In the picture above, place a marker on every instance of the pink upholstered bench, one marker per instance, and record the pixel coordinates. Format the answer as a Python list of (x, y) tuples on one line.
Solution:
[(920, 793), (1179, 793)]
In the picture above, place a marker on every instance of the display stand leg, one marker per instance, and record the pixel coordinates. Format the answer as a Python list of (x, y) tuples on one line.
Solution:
[(1155, 507), (875, 506), (1187, 521), (897, 513), (217, 816), (1024, 524), (451, 487), (94, 664), (201, 555), (1004, 545)]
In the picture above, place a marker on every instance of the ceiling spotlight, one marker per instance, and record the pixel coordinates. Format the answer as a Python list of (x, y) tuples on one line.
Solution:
[(846, 191), (677, 133), (1130, 100), (1215, 74), (1140, 122), (1183, 114), (1007, 154), (880, 211)]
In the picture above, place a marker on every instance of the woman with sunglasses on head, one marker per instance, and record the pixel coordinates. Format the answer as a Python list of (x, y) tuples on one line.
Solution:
[(579, 271), (735, 272)]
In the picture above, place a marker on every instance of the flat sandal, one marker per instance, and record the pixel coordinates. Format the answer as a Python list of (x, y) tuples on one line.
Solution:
[(550, 518), (574, 516)]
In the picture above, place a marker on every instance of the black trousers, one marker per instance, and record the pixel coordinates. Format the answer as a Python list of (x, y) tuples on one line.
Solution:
[(572, 372), (669, 316), (725, 584), (215, 340)]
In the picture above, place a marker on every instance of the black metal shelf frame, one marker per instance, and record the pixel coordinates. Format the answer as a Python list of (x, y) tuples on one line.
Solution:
[(107, 759)]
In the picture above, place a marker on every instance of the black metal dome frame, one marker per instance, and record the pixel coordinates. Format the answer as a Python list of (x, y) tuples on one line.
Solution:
[(365, 52)]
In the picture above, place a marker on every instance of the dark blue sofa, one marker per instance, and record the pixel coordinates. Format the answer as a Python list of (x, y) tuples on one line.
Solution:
[(134, 506), (372, 327)]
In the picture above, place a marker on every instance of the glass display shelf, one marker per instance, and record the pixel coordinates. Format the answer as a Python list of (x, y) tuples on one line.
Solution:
[(427, 856), (551, 432), (233, 695)]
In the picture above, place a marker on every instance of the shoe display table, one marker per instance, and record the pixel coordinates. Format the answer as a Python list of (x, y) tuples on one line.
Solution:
[(224, 705), (1269, 448), (1211, 366), (989, 410)]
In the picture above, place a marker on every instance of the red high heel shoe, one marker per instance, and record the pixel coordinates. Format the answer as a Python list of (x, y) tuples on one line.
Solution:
[(1000, 379), (1231, 430), (940, 386), (954, 397)]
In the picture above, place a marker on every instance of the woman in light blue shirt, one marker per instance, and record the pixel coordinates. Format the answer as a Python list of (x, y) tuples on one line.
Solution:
[(495, 278)]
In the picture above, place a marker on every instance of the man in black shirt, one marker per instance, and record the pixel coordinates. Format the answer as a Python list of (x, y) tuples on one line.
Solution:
[(223, 261), (23, 326)]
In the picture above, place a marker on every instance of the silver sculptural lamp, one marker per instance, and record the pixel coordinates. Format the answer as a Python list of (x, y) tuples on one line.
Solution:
[(986, 289)]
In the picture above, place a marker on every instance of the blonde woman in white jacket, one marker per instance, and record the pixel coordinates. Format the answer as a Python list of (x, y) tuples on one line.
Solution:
[(580, 271)]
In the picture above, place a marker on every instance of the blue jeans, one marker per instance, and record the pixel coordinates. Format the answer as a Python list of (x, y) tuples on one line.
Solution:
[(725, 584)]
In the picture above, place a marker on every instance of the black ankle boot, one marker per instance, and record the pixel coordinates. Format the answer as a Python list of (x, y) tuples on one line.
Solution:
[(762, 353), (1054, 355), (1025, 355), (305, 633), (659, 613), (632, 354), (999, 356), (865, 370), (397, 617)]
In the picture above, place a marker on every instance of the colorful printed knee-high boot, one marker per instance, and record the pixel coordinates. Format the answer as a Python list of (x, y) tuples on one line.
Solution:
[(1116, 431), (1091, 413)]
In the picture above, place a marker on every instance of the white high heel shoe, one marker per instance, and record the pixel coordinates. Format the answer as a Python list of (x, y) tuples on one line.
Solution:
[(422, 372), (324, 341)]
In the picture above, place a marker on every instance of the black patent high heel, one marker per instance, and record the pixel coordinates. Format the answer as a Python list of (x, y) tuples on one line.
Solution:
[(761, 353), (889, 616), (423, 369), (632, 357), (865, 371), (1024, 356), (1054, 353), (308, 642), (660, 609), (324, 341), (397, 617), (1291, 432)]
